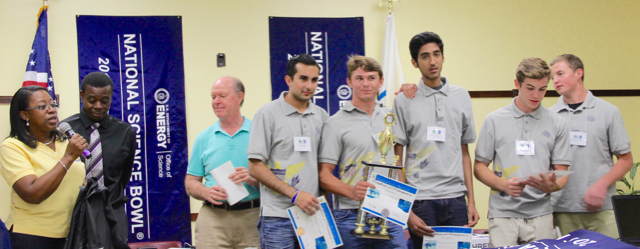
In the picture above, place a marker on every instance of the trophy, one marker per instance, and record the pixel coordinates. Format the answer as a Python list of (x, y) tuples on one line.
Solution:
[(386, 140)]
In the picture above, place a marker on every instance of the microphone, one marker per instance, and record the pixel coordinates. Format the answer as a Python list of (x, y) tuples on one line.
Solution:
[(66, 128)]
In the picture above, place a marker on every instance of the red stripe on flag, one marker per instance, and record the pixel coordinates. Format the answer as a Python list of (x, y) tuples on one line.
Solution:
[(31, 83)]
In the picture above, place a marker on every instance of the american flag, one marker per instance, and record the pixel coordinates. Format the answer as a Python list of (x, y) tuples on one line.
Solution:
[(39, 66)]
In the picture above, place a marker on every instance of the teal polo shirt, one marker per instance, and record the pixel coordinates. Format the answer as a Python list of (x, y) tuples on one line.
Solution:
[(214, 147)]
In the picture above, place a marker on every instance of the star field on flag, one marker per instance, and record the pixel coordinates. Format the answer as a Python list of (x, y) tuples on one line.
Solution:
[(38, 70)]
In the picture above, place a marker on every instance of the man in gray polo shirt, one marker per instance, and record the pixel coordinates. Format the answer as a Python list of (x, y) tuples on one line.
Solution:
[(522, 139), (347, 140), (283, 149), (436, 126), (597, 132)]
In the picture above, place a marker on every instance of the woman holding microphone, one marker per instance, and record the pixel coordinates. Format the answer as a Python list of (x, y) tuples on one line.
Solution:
[(43, 170)]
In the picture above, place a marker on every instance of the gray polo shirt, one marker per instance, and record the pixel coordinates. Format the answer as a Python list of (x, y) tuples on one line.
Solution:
[(606, 136), (274, 127), (496, 143), (347, 140), (434, 167)]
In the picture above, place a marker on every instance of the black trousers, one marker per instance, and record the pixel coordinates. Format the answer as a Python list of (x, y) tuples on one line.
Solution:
[(27, 241)]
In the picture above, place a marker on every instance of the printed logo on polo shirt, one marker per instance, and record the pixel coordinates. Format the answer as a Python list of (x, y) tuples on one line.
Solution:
[(424, 163), (351, 172), (418, 161), (591, 118), (288, 175), (411, 158), (504, 174), (455, 110), (546, 133)]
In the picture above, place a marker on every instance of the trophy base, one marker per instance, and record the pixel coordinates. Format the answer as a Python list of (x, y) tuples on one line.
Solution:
[(381, 165), (367, 235)]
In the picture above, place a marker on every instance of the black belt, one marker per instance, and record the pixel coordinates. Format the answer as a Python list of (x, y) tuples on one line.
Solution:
[(238, 206)]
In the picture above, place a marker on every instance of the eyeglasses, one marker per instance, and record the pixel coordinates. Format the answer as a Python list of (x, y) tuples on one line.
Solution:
[(43, 107)]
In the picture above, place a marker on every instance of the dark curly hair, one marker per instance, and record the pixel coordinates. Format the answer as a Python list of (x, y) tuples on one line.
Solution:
[(19, 129)]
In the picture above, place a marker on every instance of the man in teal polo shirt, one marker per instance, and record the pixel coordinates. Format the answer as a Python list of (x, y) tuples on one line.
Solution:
[(220, 225)]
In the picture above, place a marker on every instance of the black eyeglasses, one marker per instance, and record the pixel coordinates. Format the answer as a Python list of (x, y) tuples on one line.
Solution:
[(43, 107)]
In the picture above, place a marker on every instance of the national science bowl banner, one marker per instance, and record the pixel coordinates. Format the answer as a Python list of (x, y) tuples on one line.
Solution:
[(143, 56), (328, 40)]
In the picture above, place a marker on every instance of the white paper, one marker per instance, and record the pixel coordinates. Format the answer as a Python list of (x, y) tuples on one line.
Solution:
[(480, 241), (448, 237), (236, 192), (390, 199), (559, 173), (318, 230)]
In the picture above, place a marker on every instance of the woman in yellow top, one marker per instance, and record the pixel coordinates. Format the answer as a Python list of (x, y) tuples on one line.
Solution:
[(43, 170)]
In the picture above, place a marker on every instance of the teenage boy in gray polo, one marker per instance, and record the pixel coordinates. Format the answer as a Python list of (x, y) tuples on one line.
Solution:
[(436, 126), (347, 140), (597, 132), (283, 149), (522, 139)]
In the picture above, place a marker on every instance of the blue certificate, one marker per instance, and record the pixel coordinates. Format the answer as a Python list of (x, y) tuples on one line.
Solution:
[(316, 231), (391, 199)]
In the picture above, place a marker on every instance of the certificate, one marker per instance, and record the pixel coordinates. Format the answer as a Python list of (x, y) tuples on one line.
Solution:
[(316, 231), (449, 237), (559, 173), (391, 199), (236, 192)]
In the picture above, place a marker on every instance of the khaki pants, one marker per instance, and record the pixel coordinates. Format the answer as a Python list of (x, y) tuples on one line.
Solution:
[(603, 222), (220, 228), (513, 231)]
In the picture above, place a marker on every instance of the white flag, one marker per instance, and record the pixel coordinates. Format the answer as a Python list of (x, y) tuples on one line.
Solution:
[(391, 66)]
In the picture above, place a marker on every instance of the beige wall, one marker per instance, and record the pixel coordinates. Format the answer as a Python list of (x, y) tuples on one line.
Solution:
[(485, 40)]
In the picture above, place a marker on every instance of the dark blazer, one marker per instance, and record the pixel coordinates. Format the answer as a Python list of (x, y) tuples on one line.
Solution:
[(94, 224)]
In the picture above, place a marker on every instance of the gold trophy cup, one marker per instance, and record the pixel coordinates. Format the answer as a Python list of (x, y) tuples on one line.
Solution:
[(386, 141)]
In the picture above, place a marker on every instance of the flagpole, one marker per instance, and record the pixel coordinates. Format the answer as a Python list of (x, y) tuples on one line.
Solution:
[(390, 61)]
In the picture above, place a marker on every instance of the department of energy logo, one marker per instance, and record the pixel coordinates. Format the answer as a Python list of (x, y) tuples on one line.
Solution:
[(344, 92), (162, 96)]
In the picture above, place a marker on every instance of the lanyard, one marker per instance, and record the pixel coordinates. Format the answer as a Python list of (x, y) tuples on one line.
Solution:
[(435, 114), (585, 118), (292, 127), (516, 130), (435, 110), (365, 123)]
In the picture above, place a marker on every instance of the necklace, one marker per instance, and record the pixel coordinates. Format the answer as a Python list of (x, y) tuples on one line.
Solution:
[(47, 143)]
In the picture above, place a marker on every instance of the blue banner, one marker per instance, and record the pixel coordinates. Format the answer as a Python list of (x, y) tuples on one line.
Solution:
[(329, 40), (576, 240), (143, 55)]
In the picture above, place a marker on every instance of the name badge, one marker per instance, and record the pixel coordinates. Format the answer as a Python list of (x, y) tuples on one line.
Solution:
[(525, 148), (436, 134), (578, 138), (301, 143)]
